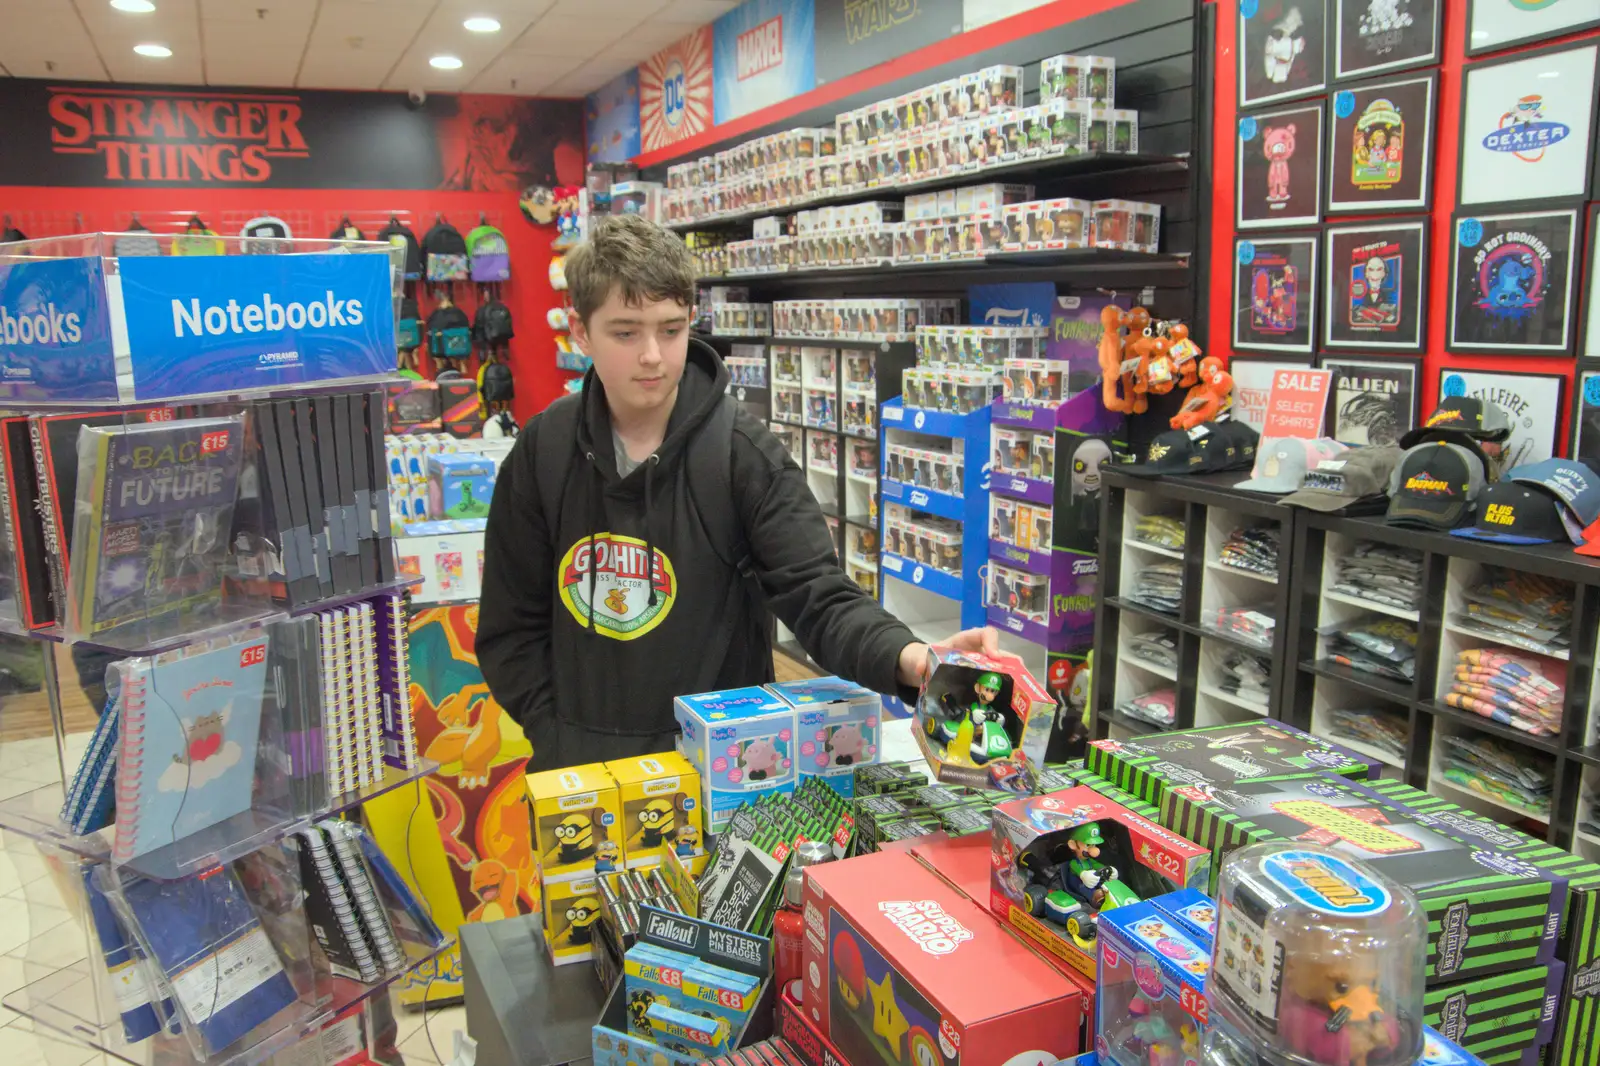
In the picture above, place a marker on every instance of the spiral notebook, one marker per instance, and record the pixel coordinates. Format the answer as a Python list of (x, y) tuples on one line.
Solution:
[(191, 722), (90, 798)]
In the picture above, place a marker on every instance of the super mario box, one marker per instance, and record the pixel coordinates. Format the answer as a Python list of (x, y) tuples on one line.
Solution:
[(901, 968), (983, 721), (742, 742), (1488, 910), (575, 821), (660, 803), (1151, 1001), (1150, 765), (837, 722), (1060, 861)]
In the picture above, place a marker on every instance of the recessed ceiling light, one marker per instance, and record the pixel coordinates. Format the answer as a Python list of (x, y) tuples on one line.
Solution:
[(445, 62), (153, 51), (482, 24), (134, 7)]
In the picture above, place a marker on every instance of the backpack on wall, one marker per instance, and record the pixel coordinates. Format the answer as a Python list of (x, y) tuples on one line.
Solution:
[(492, 324), (446, 253), (408, 333), (491, 256), (449, 333), (397, 233)]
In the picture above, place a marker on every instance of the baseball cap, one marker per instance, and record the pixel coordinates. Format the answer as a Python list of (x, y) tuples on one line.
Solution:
[(1337, 483), (1172, 451), (1474, 418), (1575, 484), (1282, 462), (1230, 446), (1435, 485), (1513, 513)]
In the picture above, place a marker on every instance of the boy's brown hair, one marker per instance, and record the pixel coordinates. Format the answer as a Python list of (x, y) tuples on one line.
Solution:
[(633, 256)]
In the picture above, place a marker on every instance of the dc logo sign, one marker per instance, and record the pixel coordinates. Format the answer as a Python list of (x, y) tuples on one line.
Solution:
[(673, 105)]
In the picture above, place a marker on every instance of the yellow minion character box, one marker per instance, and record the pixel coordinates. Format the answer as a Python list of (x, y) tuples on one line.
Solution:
[(571, 918), (660, 799), (575, 821)]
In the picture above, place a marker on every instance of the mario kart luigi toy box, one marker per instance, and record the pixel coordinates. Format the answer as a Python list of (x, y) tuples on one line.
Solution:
[(1151, 999), (1062, 860), (837, 727), (1216, 756), (983, 721), (660, 803), (742, 741), (575, 822), (901, 968)]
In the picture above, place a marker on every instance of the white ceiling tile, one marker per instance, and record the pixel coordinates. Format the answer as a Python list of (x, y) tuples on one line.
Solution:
[(357, 72), (99, 15), (299, 11), (561, 35), (524, 75), (698, 12), (635, 10), (77, 66)]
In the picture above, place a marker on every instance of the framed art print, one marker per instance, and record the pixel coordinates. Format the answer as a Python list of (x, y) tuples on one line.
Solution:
[(1371, 401), (1496, 24), (1375, 36), (1275, 294), (1280, 168), (1527, 126), (1531, 401), (1586, 415), (1380, 145), (1511, 283), (1282, 49), (1589, 344), (1252, 384), (1376, 295)]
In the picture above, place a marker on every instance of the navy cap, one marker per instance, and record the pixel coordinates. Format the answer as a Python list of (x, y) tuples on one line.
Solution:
[(1576, 485)]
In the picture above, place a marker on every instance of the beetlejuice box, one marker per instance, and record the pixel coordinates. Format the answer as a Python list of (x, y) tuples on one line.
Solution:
[(838, 728), (742, 741)]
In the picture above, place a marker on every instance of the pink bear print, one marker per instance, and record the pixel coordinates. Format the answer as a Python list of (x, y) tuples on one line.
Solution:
[(761, 758), (1278, 146), (847, 745)]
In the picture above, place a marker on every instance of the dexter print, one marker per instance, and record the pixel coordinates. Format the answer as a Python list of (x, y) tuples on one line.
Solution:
[(1375, 286), (1381, 146), (1376, 35), (1281, 49), (1280, 165), (629, 596), (1275, 294), (1527, 125), (1512, 288)]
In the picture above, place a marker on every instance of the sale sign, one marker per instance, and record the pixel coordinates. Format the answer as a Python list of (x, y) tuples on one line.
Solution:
[(675, 98), (1297, 403)]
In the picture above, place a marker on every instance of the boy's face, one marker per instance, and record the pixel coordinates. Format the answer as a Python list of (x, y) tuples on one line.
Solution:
[(638, 351)]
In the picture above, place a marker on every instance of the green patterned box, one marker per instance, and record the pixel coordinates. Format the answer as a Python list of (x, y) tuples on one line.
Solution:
[(1488, 911), (1082, 775), (1505, 1017), (1217, 756)]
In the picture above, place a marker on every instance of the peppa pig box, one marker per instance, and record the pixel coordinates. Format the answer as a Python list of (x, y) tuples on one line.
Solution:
[(742, 741), (838, 728)]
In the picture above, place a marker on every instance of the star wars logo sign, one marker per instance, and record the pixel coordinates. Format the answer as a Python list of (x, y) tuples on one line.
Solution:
[(760, 49), (927, 923), (220, 138)]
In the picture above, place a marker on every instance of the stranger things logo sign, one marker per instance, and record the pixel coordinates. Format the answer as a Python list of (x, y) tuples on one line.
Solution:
[(98, 135)]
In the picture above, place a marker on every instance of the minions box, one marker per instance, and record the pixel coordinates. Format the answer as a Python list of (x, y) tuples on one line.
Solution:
[(838, 728), (660, 802), (908, 970), (576, 822), (742, 741), (571, 918)]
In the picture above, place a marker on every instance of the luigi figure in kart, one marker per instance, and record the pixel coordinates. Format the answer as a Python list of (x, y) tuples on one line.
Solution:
[(1074, 892), (989, 739)]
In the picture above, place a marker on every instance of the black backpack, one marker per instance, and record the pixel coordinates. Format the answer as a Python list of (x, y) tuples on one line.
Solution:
[(496, 384), (492, 324), (449, 333), (396, 232), (444, 239), (408, 333)]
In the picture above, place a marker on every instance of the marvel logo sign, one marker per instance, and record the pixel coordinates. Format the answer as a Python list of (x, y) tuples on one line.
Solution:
[(760, 49)]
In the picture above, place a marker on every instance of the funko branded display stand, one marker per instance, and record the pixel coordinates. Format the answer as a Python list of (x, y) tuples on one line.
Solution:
[(982, 721), (1318, 962)]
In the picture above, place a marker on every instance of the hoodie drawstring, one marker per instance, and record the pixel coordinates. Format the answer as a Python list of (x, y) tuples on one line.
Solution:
[(594, 565), (649, 541)]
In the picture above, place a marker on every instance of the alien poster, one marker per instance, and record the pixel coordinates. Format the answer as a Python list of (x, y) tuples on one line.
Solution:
[(1380, 154), (1370, 36), (1275, 294), (1281, 49), (1279, 160), (1375, 291), (1371, 401), (1527, 126), (1511, 289)]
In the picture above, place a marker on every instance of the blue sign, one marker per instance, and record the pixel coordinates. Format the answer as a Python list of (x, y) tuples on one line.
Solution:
[(255, 321), (55, 332), (1023, 303), (612, 112), (1326, 882), (763, 53)]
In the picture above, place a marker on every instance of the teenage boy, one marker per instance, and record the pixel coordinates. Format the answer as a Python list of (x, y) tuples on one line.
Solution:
[(642, 530)]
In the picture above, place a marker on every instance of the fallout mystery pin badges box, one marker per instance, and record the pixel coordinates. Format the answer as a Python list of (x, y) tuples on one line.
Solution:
[(983, 721), (901, 968), (1488, 910), (837, 722), (575, 821), (659, 797), (742, 742), (1060, 861), (1217, 756)]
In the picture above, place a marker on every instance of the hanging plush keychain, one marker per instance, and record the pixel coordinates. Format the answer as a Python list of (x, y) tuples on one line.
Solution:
[(1209, 398)]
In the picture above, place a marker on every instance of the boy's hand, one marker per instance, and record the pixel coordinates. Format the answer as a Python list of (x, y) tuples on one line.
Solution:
[(914, 657)]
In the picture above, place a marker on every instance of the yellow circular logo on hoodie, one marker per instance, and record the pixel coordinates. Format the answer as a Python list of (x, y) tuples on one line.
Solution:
[(623, 579)]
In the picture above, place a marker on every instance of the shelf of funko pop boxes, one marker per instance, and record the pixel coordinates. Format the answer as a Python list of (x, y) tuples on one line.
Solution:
[(1416, 727), (1181, 636)]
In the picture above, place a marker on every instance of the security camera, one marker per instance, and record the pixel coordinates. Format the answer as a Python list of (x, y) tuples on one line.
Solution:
[(416, 98)]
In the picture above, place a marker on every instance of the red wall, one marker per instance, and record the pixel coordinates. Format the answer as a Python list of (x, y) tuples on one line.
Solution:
[(47, 212), (1447, 154)]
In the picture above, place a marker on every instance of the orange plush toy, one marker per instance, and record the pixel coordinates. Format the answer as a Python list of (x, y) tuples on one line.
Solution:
[(1124, 362), (1110, 356), (1210, 396)]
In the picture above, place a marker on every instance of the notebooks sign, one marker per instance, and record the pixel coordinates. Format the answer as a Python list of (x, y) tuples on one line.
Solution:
[(55, 331)]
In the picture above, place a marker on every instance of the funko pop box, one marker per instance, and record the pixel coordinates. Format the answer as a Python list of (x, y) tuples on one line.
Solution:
[(1027, 711), (837, 728), (576, 819), (659, 799), (1151, 765), (1034, 834), (742, 743), (918, 973)]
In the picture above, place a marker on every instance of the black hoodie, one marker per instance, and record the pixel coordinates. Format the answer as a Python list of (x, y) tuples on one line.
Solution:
[(587, 688)]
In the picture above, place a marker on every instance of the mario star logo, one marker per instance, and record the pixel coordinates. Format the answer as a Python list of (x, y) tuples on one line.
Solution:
[(1512, 271), (606, 582), (1525, 132)]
